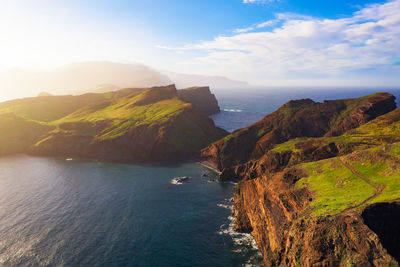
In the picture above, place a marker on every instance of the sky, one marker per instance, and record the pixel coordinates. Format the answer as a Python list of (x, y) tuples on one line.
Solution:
[(263, 42)]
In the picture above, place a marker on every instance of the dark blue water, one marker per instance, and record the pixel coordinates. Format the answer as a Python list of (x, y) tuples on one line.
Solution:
[(59, 213)]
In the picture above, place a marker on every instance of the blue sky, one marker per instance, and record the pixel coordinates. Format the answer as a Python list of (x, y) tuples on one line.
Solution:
[(178, 21), (269, 42)]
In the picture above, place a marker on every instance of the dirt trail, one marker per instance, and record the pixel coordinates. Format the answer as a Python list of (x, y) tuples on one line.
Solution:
[(378, 188)]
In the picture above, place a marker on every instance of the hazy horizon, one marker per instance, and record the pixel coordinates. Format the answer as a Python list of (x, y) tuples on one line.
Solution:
[(262, 43)]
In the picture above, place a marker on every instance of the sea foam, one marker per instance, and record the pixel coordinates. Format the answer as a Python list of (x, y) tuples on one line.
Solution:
[(242, 243), (179, 180), (232, 110)]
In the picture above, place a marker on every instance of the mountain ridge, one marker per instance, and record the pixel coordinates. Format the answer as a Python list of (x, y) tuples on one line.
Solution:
[(296, 118), (129, 125), (99, 76), (331, 199)]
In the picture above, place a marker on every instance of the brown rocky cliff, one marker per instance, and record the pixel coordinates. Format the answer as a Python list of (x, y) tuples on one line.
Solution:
[(314, 149), (201, 97), (278, 214), (301, 118), (272, 210)]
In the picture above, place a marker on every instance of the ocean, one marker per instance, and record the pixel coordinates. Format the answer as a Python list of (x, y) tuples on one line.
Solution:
[(58, 212)]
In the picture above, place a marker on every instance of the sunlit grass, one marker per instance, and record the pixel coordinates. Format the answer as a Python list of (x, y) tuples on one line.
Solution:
[(336, 188)]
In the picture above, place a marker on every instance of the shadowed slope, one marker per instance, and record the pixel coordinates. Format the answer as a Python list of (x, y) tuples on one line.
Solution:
[(300, 118)]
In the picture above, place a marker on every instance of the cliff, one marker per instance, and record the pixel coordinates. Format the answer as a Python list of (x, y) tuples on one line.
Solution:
[(383, 130), (319, 213), (129, 125), (299, 118), (201, 97), (332, 200)]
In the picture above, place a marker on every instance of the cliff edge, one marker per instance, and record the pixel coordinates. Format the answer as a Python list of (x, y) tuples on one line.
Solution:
[(201, 97), (326, 194), (298, 118), (129, 125)]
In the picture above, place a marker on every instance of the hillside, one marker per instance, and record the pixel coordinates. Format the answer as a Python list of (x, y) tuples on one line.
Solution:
[(299, 118), (383, 130), (201, 97), (325, 201), (314, 213), (127, 125)]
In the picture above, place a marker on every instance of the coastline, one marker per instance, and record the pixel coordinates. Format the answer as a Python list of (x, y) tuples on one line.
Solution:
[(208, 166)]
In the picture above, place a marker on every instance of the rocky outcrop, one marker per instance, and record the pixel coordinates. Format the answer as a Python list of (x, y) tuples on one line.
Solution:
[(201, 97), (299, 118), (273, 210), (384, 219), (295, 219), (376, 132)]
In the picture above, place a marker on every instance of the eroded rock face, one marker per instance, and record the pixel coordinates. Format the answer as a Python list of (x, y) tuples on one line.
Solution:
[(341, 240), (384, 220), (300, 118), (278, 214), (273, 211), (201, 97), (314, 149)]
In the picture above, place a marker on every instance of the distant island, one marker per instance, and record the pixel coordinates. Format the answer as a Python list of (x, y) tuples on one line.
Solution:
[(319, 183), (128, 125)]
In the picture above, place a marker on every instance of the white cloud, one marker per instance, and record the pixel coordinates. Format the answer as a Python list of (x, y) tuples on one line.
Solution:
[(303, 46), (244, 30), (261, 25), (267, 23)]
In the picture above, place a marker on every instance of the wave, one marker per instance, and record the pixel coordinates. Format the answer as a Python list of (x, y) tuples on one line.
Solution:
[(179, 180), (228, 207), (243, 244), (232, 110)]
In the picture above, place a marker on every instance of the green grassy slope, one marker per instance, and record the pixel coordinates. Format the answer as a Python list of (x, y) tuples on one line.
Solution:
[(372, 150), (129, 124), (113, 118), (336, 188), (298, 118), (17, 134), (383, 130), (50, 108)]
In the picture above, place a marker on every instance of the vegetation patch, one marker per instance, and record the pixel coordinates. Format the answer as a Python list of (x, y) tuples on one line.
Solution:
[(337, 188)]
